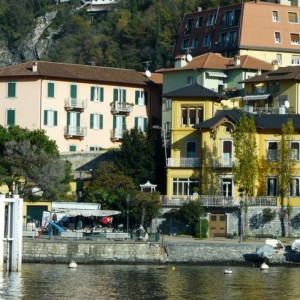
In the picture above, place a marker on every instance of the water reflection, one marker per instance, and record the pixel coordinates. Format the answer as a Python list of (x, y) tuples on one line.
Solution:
[(41, 281)]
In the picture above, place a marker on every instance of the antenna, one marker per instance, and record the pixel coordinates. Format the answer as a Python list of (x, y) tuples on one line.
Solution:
[(147, 72), (287, 104), (188, 56)]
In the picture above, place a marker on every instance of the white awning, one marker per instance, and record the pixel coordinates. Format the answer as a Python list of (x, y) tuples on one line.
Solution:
[(217, 74), (257, 97), (91, 213)]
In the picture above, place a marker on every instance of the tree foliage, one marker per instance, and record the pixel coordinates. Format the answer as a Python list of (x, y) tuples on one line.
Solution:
[(136, 156), (245, 167)]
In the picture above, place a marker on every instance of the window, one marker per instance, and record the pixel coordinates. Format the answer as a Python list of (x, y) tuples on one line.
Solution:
[(207, 41), (295, 150), (141, 123), (272, 186), (199, 22), (272, 150), (275, 16), (190, 80), (279, 58), (294, 187), (191, 149), (188, 26), (277, 37), (232, 38), (97, 93), (184, 186), (211, 20), (185, 44), (295, 38), (96, 121), (226, 158), (11, 89), (228, 19), (293, 17), (227, 187), (10, 117), (140, 98), (50, 117), (72, 148), (195, 43), (73, 91), (50, 90), (95, 148), (224, 39), (191, 115), (119, 125), (295, 59), (168, 103), (120, 95)]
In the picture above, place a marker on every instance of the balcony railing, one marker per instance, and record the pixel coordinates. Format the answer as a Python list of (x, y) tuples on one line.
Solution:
[(184, 162), (116, 135), (75, 104), (75, 132), (223, 162), (121, 107), (269, 110), (217, 200)]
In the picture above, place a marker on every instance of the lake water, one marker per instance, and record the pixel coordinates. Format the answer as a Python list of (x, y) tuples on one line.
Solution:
[(47, 281)]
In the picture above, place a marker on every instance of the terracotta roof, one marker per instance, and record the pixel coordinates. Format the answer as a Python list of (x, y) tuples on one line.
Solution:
[(262, 121), (156, 78), (218, 62), (285, 73), (75, 72), (194, 91)]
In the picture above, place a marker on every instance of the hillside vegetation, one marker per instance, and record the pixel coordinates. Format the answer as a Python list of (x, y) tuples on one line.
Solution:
[(135, 31)]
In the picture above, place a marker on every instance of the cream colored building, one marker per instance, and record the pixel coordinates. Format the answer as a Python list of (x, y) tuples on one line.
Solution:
[(82, 108)]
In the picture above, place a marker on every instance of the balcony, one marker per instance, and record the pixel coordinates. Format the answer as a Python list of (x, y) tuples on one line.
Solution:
[(75, 132), (184, 162), (223, 162), (116, 135), (268, 110), (121, 108), (75, 104)]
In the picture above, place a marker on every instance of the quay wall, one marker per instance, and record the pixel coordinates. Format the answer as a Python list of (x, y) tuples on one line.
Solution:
[(130, 252)]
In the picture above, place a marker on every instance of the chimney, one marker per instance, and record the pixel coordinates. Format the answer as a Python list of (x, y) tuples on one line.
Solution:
[(237, 60), (199, 9), (274, 65), (258, 71), (34, 67)]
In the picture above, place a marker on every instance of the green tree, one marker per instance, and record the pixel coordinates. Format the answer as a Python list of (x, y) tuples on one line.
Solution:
[(268, 215), (136, 156), (245, 166), (285, 168)]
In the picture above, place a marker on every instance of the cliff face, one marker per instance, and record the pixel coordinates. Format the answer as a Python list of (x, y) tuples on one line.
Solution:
[(32, 46)]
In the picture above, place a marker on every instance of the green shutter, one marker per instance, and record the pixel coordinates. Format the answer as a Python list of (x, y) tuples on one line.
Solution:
[(78, 120), (73, 91), (114, 122), (136, 122), (123, 123), (116, 95), (124, 96), (10, 117), (137, 93), (68, 118), (101, 122), (91, 121), (145, 124), (92, 93), (50, 90), (101, 94), (45, 117), (11, 90), (72, 148), (55, 118), (146, 97)]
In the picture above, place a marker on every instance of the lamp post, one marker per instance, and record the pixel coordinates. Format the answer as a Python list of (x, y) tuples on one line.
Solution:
[(241, 218), (127, 202)]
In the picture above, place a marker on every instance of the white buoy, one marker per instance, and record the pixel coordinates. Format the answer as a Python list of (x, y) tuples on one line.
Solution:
[(228, 271), (72, 264), (264, 266)]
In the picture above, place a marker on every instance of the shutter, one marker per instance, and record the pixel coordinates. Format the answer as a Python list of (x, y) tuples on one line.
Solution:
[(101, 121), (68, 118), (50, 90), (91, 121), (101, 94), (123, 123), (136, 122), (92, 93), (10, 117), (55, 118), (114, 122), (78, 120), (146, 97), (137, 93), (11, 89), (124, 96), (116, 95), (145, 124), (45, 117), (73, 91)]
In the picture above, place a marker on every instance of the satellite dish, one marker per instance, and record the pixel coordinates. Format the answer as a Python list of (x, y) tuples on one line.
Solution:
[(189, 57), (287, 104), (148, 73)]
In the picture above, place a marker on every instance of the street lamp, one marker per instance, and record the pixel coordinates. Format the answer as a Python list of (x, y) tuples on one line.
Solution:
[(127, 202), (241, 217)]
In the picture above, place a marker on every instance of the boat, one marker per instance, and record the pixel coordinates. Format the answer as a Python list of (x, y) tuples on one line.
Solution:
[(264, 252), (296, 245), (264, 266), (72, 264), (228, 271), (277, 245)]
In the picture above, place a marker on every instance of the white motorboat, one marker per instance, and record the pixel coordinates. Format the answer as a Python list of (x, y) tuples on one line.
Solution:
[(296, 245)]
